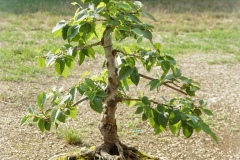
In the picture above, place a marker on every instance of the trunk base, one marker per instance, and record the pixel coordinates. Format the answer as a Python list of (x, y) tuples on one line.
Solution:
[(118, 151)]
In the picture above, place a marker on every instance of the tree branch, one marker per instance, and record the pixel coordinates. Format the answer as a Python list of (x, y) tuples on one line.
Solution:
[(137, 99), (165, 84), (149, 78), (89, 46), (80, 101), (125, 54)]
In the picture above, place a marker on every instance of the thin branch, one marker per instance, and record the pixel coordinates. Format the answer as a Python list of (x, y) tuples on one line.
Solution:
[(125, 54), (80, 101), (89, 46), (133, 12), (149, 78), (165, 84), (101, 19), (137, 99)]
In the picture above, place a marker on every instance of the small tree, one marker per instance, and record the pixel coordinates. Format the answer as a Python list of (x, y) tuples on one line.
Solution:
[(95, 26)]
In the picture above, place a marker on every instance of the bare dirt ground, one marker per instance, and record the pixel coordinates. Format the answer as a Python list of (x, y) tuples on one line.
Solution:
[(220, 88)]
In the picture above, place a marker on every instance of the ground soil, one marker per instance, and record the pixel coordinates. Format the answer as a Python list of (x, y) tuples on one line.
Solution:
[(220, 88)]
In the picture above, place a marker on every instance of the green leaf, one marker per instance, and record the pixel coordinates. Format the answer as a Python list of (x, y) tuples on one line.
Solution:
[(193, 119), (73, 32), (82, 15), (138, 3), (31, 109), (73, 112), (134, 18), (154, 84), (64, 32), (137, 31), (47, 125), (81, 58), (175, 117), (54, 115), (91, 95), (157, 46), (73, 93), (139, 110), (201, 102), (41, 62), (147, 111), (59, 65), (124, 72), (198, 128), (41, 124), (74, 3), (147, 34), (90, 83), (65, 99), (35, 119), (70, 64), (85, 74), (160, 108), (65, 72), (59, 26), (24, 119), (208, 131), (165, 66), (96, 2), (139, 40), (145, 100), (125, 83), (61, 117), (123, 5), (101, 94), (207, 112), (148, 15), (187, 130), (174, 128), (189, 92), (176, 71), (124, 28), (185, 79), (96, 104), (144, 117), (91, 53), (106, 1), (163, 119), (41, 99), (135, 76), (197, 112)]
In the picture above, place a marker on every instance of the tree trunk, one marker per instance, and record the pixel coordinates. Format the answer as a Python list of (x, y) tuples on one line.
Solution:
[(108, 125)]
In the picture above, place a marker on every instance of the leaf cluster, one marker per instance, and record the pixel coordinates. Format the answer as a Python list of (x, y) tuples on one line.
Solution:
[(118, 19), (177, 114)]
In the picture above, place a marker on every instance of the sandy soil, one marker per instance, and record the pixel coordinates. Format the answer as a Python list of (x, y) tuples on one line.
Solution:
[(220, 88)]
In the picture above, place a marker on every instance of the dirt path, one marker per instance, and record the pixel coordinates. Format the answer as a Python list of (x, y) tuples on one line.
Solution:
[(220, 88)]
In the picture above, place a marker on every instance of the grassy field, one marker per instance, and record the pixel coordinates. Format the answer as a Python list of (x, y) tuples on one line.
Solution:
[(183, 27), (203, 34)]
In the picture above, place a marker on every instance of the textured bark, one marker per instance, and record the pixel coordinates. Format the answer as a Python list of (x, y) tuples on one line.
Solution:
[(108, 125)]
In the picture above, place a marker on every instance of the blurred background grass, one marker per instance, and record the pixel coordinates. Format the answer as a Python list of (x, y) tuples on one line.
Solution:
[(176, 6), (182, 27)]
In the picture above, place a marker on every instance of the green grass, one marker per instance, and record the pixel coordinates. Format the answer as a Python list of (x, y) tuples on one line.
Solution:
[(70, 135), (203, 27)]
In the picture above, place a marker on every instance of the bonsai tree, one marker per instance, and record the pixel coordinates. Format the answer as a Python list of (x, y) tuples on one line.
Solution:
[(102, 23)]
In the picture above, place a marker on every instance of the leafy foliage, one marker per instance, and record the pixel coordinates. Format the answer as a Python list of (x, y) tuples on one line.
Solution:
[(119, 19)]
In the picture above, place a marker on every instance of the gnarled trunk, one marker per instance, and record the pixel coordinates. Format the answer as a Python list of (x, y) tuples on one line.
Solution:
[(108, 125)]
